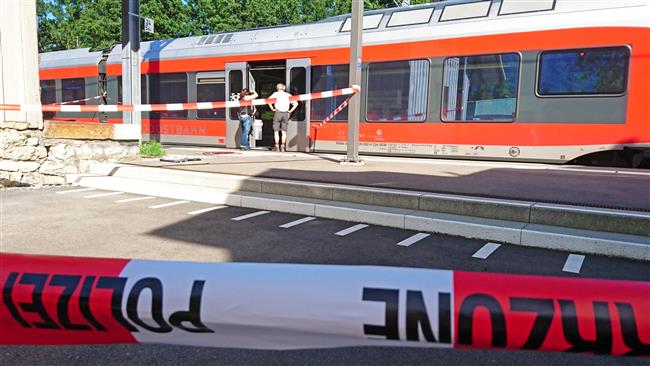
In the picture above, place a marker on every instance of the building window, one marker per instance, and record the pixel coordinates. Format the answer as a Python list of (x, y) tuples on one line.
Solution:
[(168, 88), (397, 91), (480, 88), (73, 89), (211, 89), (595, 71), (48, 92), (324, 78)]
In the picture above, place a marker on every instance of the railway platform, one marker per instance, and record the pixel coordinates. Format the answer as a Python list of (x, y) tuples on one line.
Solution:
[(614, 188), (590, 210)]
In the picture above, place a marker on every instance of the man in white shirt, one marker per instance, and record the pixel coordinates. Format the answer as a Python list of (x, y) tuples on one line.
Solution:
[(282, 110)]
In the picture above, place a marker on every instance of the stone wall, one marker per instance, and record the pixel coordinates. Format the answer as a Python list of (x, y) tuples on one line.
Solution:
[(37, 153), (28, 157)]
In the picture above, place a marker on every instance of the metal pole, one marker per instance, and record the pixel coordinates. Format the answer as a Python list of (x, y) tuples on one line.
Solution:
[(131, 58), (126, 59), (134, 35), (354, 108)]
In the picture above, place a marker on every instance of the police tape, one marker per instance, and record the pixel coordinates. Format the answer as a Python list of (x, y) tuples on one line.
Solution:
[(172, 106), (333, 114), (80, 100), (72, 300)]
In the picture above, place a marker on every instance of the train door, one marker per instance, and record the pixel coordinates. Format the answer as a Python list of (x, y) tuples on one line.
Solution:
[(263, 78), (236, 78), (299, 82)]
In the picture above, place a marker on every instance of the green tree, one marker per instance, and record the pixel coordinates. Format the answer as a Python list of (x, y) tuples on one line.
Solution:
[(171, 17), (57, 19), (99, 24), (214, 16), (67, 24), (315, 10)]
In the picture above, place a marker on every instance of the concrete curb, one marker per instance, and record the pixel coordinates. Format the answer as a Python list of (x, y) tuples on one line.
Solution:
[(505, 231), (575, 217)]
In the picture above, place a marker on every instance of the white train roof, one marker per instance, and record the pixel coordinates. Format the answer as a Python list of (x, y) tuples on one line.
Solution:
[(68, 58), (447, 19)]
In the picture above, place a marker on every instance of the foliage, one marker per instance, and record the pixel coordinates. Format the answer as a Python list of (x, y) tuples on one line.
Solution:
[(152, 149), (68, 24)]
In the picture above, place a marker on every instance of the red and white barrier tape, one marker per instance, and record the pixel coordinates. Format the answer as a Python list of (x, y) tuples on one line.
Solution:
[(333, 114), (78, 100), (172, 106), (72, 300)]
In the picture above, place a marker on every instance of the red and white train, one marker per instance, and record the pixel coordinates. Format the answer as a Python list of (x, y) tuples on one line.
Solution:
[(534, 80)]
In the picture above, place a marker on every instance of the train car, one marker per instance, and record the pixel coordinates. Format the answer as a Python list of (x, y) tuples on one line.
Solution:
[(540, 80), (72, 76)]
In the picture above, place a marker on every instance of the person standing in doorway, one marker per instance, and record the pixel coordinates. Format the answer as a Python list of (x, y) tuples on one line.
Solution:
[(246, 115), (283, 108)]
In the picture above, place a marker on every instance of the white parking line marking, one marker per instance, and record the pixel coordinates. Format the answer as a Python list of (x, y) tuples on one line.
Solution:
[(104, 194), (206, 210), (486, 250), (135, 199), (412, 240), (169, 204), (573, 263), (248, 216), (76, 190), (297, 222), (351, 229)]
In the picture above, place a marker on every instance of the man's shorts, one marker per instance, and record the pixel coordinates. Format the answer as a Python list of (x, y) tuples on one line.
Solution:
[(280, 121)]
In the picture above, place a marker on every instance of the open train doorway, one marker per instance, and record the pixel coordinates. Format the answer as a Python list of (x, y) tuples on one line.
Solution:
[(263, 76)]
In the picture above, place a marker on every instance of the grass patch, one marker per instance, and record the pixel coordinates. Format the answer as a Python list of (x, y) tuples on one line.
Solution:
[(152, 149)]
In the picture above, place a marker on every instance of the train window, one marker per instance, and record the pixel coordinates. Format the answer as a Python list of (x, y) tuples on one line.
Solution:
[(73, 89), (143, 90), (595, 71), (480, 88), (465, 11), (397, 91), (236, 78), (518, 6), (369, 22), (298, 85), (324, 78), (410, 17), (211, 89), (48, 92), (168, 88)]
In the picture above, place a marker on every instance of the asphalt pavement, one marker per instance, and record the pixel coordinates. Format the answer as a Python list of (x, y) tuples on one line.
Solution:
[(70, 221)]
